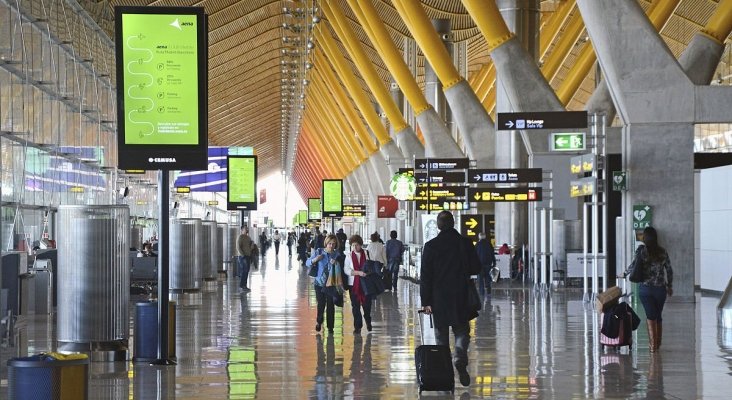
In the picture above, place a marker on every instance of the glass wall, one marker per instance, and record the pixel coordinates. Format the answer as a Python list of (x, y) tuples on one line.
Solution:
[(57, 116)]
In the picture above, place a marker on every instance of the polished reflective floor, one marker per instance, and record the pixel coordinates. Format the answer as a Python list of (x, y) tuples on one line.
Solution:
[(525, 345)]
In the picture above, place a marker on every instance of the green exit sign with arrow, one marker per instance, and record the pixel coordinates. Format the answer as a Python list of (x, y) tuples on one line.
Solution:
[(567, 141)]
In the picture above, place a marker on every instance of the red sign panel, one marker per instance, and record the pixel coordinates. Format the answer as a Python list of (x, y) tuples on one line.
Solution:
[(387, 206), (262, 196)]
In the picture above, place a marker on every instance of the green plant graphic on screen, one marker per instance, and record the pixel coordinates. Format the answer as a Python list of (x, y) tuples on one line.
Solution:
[(160, 79)]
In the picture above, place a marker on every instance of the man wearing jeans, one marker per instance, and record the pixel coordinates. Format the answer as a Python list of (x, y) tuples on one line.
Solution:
[(394, 251), (244, 248), (448, 261)]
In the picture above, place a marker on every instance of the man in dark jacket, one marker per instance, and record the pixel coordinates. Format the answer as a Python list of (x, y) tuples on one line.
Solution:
[(487, 258), (342, 239), (394, 251), (447, 263)]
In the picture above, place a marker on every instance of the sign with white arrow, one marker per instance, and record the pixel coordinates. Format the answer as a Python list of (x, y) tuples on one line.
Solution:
[(440, 177), (441, 163), (542, 120), (515, 175), (567, 141)]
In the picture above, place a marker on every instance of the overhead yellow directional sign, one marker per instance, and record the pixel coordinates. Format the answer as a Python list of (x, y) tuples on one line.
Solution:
[(183, 189), (519, 194), (354, 210), (442, 205), (471, 225), (442, 192)]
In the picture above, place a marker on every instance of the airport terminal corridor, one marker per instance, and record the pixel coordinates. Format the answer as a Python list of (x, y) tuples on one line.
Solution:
[(263, 345)]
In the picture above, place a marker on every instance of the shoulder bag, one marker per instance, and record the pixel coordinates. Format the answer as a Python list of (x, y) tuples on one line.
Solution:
[(638, 269)]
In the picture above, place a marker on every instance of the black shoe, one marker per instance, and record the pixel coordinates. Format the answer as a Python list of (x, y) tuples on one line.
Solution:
[(369, 327), (317, 327), (330, 330), (357, 331), (464, 376)]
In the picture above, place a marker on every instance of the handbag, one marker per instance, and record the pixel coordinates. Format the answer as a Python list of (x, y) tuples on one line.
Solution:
[(372, 284), (313, 272), (638, 270), (371, 266)]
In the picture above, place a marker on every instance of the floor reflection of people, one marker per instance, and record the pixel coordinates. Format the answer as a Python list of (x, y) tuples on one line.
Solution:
[(655, 378), (366, 383), (617, 376), (328, 373)]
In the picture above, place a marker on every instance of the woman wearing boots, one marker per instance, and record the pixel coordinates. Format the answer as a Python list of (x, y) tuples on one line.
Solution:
[(355, 261), (657, 285)]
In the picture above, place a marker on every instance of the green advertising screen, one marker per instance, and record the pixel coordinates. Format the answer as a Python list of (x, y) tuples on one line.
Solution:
[(159, 75), (313, 209), (332, 198), (162, 78), (302, 217), (242, 182)]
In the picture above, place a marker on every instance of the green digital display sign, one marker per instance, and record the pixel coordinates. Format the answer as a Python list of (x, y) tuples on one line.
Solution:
[(162, 87), (242, 183), (302, 217), (332, 197), (313, 209)]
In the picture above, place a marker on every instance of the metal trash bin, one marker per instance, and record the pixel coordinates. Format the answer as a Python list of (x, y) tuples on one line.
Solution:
[(49, 376), (145, 347)]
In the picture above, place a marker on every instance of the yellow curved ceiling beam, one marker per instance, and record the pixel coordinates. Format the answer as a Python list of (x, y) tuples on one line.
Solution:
[(319, 136), (368, 72), (342, 132), (658, 13), (330, 131), (328, 165), (720, 24), (428, 40), (331, 82), (489, 20), (390, 54), (347, 134), (354, 89), (314, 159), (331, 109), (564, 46)]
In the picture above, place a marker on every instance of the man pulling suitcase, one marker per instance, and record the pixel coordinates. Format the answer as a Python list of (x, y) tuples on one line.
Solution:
[(448, 261)]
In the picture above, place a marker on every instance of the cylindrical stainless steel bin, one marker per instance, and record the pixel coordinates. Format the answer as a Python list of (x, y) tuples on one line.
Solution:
[(94, 267), (185, 268), (205, 246), (218, 248)]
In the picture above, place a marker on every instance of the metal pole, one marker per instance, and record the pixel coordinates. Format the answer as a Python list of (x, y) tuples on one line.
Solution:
[(543, 248), (550, 232), (163, 267), (604, 202), (584, 252), (535, 248)]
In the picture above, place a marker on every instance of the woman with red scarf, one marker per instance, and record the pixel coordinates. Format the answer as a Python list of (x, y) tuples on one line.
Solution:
[(355, 260)]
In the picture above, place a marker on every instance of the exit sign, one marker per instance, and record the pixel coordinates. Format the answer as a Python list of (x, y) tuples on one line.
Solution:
[(567, 141)]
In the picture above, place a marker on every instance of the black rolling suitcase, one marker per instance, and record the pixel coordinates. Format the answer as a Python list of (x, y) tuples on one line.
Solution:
[(434, 365)]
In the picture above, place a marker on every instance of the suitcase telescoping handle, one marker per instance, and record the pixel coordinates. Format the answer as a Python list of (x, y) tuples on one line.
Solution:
[(421, 311), (424, 328)]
